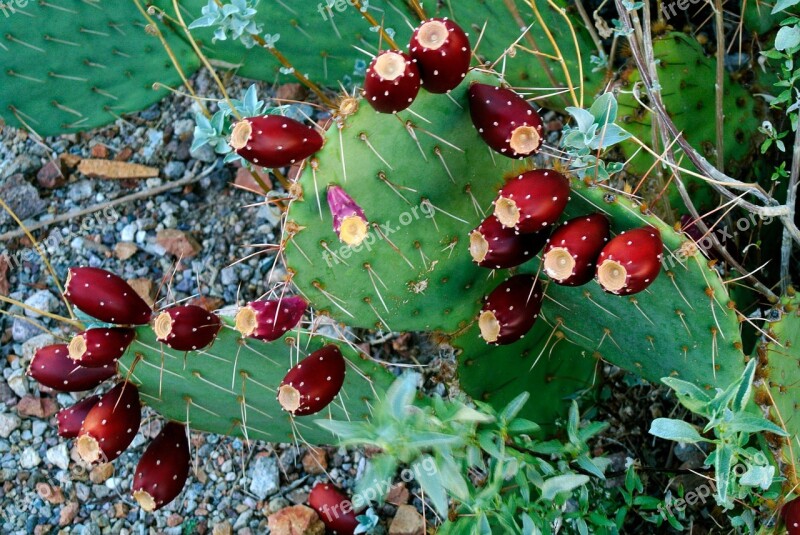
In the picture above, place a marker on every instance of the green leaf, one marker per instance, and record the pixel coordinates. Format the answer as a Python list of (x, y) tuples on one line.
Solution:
[(583, 118), (563, 483), (787, 38), (690, 395), (722, 472), (604, 109), (745, 388), (429, 439), (470, 415), (401, 395), (782, 5), (451, 477), (676, 430), (758, 476), (587, 465), (349, 431), (487, 441), (377, 477), (515, 405), (432, 486), (521, 426), (750, 423)]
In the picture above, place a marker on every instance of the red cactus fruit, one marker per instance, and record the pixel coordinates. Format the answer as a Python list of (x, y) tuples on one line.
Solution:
[(52, 367), (311, 385), (110, 425), (533, 200), (497, 247), (349, 221), (274, 140), (334, 509), (269, 320), (106, 297), (71, 419), (187, 327), (572, 250), (505, 120), (442, 51), (791, 516), (510, 310), (631, 261), (163, 468), (392, 82), (100, 347)]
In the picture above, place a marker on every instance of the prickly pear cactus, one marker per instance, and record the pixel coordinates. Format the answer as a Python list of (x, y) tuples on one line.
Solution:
[(231, 387), (777, 380), (688, 78), (68, 68)]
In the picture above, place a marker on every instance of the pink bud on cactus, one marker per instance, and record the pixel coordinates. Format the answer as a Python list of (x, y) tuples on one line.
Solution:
[(186, 328), (94, 348), (106, 297), (311, 385), (269, 320), (110, 425), (274, 140), (52, 367), (349, 221), (162, 471)]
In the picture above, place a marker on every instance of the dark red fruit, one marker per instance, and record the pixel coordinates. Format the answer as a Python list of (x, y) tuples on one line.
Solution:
[(511, 310), (631, 261), (52, 367), (163, 468), (533, 200), (334, 509), (106, 297), (269, 320), (100, 347), (274, 140), (791, 516), (505, 120), (311, 385), (497, 247), (188, 327), (571, 253), (349, 221), (392, 82), (110, 425), (71, 419), (442, 51)]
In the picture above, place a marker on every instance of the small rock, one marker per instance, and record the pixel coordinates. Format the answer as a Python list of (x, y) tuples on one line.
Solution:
[(80, 191), (174, 520), (294, 91), (143, 287), (39, 427), (204, 154), (265, 477), (71, 161), (124, 155), (398, 494), (128, 232), (52, 494), (178, 243), (101, 473), (22, 330), (51, 175), (8, 424), (174, 170), (58, 456), (296, 520), (30, 347), (42, 300), (29, 458), (245, 180), (18, 382), (242, 520), (31, 406), (112, 169), (315, 461), (223, 528), (21, 197), (120, 510), (100, 151), (407, 521), (68, 514), (125, 249)]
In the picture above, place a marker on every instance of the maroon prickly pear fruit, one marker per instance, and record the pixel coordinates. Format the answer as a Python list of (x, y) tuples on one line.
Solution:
[(334, 509), (110, 425), (510, 310), (505, 120), (186, 328), (163, 468), (442, 51), (106, 297), (269, 320), (349, 221), (311, 385), (533, 200), (572, 250), (274, 140), (52, 367), (94, 348), (392, 82), (497, 247), (791, 516), (631, 261), (71, 419)]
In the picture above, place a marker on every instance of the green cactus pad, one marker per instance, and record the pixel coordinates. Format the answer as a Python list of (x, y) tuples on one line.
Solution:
[(231, 387), (779, 381), (687, 77), (72, 66)]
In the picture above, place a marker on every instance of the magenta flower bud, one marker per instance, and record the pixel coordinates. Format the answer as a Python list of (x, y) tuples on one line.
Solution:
[(349, 221)]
